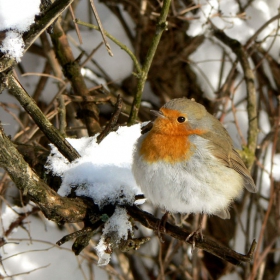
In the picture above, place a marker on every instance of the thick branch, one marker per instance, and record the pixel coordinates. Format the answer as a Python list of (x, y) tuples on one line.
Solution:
[(47, 18), (161, 26), (206, 244), (39, 118), (55, 208)]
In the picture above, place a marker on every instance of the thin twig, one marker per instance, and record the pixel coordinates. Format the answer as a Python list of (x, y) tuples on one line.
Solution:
[(27, 272), (101, 28), (43, 75), (98, 98), (113, 121), (89, 57), (41, 84), (117, 42), (76, 25), (250, 41)]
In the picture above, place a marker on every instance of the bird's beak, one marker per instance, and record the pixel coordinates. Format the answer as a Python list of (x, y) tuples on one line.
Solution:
[(157, 113)]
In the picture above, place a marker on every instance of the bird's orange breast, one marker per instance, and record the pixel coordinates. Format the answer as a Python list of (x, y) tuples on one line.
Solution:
[(169, 148)]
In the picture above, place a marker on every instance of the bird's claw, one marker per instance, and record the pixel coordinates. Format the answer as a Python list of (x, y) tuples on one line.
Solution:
[(195, 235), (161, 227)]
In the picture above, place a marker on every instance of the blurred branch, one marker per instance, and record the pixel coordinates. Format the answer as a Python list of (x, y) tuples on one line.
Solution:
[(72, 72), (39, 118), (256, 34), (100, 27), (97, 98), (48, 50), (117, 42), (274, 66), (142, 76), (62, 115), (76, 25), (19, 221), (249, 76), (142, 72)]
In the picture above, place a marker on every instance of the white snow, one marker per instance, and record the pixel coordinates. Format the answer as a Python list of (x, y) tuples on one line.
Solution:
[(117, 227), (16, 16), (13, 45), (225, 15), (103, 173), (101, 249), (276, 167)]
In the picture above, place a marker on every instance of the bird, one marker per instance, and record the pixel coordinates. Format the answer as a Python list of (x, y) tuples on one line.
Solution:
[(186, 163)]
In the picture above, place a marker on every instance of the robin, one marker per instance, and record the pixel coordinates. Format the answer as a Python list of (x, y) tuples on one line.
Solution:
[(187, 163)]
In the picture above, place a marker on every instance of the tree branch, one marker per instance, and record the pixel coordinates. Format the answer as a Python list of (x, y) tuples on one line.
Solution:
[(116, 41), (55, 207), (249, 77), (206, 244), (72, 72), (113, 121), (161, 26), (39, 118)]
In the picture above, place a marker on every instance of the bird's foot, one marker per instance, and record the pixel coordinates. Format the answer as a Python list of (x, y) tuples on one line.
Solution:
[(161, 226), (193, 236)]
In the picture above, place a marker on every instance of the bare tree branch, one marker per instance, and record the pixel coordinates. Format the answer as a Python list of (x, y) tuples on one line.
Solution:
[(55, 207), (39, 118), (249, 76)]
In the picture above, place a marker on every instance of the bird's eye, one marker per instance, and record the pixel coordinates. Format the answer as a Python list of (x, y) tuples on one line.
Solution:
[(181, 119)]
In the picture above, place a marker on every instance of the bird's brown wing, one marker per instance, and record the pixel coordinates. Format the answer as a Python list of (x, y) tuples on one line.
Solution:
[(222, 148), (239, 166)]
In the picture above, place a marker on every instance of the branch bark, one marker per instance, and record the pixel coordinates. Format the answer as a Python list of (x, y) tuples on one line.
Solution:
[(161, 27), (40, 119), (72, 72), (206, 244), (55, 207)]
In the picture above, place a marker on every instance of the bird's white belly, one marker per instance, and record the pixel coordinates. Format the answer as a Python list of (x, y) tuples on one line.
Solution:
[(200, 185)]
